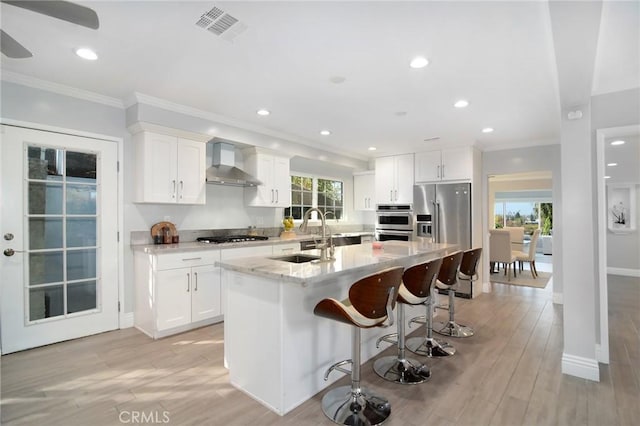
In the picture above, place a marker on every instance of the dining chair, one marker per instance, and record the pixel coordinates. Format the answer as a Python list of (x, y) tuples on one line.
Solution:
[(529, 256), (517, 237), (500, 250)]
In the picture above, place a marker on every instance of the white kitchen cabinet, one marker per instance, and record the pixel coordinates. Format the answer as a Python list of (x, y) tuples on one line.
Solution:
[(169, 169), (177, 291), (394, 179), (272, 170), (444, 165), (364, 184)]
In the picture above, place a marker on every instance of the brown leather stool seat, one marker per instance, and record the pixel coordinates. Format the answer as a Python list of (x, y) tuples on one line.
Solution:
[(414, 290), (370, 303)]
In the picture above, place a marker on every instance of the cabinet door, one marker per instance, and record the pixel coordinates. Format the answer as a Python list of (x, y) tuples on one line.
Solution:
[(427, 165), (457, 164), (364, 191), (284, 249), (205, 292), (157, 158), (385, 180), (173, 298), (403, 192), (281, 182), (191, 165)]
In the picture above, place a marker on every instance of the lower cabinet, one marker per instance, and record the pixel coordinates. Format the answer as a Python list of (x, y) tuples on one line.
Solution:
[(177, 292)]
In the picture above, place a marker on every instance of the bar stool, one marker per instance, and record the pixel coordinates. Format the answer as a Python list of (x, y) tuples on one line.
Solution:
[(428, 345), (414, 290), (370, 303), (448, 282)]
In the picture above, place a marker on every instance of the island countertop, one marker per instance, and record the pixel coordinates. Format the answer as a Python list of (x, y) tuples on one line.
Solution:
[(361, 258)]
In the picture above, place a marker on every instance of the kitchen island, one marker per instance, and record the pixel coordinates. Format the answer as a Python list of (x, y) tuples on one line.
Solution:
[(276, 350)]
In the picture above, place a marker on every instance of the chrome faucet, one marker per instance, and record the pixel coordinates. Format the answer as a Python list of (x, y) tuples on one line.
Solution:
[(324, 242)]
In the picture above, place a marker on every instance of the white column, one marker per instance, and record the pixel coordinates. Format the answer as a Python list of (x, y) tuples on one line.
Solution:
[(578, 251)]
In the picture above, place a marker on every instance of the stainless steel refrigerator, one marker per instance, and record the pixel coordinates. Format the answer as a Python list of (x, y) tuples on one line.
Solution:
[(443, 213)]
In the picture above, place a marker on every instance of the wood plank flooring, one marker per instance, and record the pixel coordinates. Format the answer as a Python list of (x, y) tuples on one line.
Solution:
[(507, 374)]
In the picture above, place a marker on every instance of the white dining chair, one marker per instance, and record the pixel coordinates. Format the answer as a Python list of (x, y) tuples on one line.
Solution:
[(500, 250), (530, 256)]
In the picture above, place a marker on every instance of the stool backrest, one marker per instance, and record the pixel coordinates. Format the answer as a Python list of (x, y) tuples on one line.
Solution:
[(448, 274), (370, 295), (419, 278), (470, 260)]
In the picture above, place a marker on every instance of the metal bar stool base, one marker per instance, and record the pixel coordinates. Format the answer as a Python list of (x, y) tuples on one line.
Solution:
[(430, 347), (345, 407), (406, 372), (452, 329)]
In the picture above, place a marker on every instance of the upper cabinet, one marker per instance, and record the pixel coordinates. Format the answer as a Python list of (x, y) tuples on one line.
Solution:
[(272, 170), (364, 184), (394, 179), (169, 169), (446, 164)]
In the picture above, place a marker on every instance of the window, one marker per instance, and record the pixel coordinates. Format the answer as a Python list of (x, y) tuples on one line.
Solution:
[(307, 192)]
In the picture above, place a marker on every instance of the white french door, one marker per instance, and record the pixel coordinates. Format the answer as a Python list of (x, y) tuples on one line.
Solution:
[(59, 276)]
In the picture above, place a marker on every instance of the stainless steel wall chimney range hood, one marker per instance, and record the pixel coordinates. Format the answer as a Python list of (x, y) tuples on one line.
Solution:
[(224, 171)]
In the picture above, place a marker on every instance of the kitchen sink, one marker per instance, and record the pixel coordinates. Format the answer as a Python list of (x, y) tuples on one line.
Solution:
[(296, 258)]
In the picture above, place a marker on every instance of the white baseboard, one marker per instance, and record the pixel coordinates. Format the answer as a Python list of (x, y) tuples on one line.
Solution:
[(486, 287), (557, 299), (126, 319), (601, 356), (577, 366), (625, 272)]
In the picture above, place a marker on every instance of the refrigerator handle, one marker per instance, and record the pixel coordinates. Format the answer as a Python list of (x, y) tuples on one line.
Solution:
[(436, 222)]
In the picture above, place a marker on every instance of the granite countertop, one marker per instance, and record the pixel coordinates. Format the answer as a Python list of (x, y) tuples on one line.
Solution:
[(362, 258), (197, 246)]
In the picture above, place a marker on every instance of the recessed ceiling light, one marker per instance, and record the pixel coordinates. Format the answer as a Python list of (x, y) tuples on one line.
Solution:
[(263, 112), (325, 132), (607, 177), (372, 148), (612, 164), (86, 53), (419, 62), (462, 103), (617, 143), (487, 130)]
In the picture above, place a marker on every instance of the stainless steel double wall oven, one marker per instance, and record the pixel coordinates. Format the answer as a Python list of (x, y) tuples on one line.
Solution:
[(395, 222)]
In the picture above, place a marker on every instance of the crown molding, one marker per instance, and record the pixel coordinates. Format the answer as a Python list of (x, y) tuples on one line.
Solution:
[(61, 89)]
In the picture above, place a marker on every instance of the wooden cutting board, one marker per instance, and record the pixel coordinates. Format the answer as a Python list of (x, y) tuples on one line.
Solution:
[(157, 229)]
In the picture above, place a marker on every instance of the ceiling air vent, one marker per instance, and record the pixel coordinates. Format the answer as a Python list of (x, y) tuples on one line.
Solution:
[(220, 23)]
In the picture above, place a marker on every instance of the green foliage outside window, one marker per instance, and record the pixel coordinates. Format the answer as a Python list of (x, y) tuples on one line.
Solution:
[(329, 197)]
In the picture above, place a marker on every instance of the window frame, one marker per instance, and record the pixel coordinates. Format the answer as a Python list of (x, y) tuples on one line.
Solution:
[(314, 219)]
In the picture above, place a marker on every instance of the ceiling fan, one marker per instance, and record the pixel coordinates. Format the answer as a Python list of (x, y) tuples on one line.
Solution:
[(64, 10)]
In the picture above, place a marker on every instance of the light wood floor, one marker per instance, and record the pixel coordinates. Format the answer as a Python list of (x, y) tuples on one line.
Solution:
[(507, 374)]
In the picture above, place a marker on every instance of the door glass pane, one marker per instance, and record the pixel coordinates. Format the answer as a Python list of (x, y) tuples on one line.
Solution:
[(81, 167), (81, 296), (46, 302), (45, 163), (45, 233), (81, 264), (45, 198), (45, 268), (81, 199), (81, 232)]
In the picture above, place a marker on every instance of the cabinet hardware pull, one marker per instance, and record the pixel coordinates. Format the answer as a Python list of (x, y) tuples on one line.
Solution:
[(191, 258), (396, 195), (443, 171), (188, 281), (277, 197), (196, 277), (181, 188), (391, 195), (438, 173), (173, 194), (272, 196)]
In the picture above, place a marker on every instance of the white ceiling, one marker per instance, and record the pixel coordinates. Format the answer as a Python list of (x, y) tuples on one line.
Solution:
[(498, 55)]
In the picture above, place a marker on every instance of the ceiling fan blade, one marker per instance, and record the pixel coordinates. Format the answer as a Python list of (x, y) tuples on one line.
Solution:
[(65, 10), (11, 48)]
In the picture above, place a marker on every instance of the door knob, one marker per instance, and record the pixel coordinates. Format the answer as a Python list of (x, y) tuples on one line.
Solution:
[(8, 236), (10, 252)]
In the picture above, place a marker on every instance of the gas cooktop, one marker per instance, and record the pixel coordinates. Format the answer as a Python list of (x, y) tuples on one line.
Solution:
[(231, 239)]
